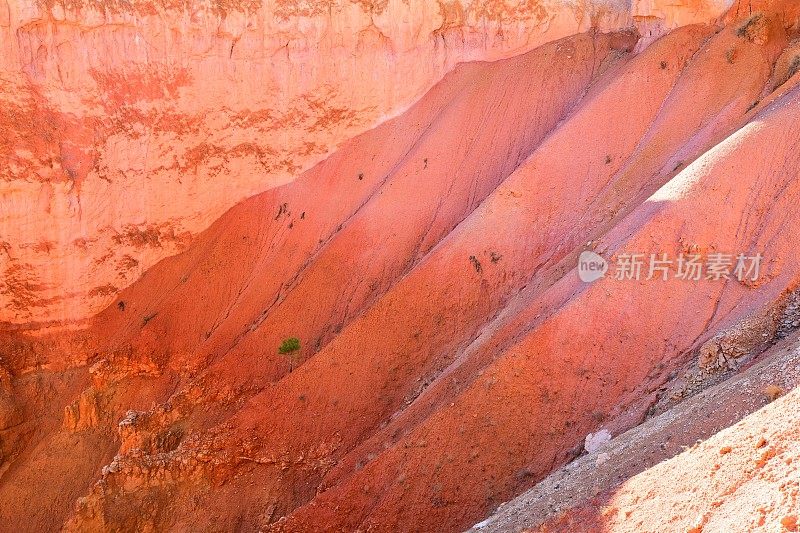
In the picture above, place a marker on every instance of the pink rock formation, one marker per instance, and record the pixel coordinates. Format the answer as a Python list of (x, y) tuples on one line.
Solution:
[(450, 357)]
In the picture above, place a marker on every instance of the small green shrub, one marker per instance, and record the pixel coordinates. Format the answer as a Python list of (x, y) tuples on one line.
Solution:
[(290, 345)]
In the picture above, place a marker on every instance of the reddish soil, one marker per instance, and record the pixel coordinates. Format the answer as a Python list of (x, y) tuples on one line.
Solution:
[(450, 357)]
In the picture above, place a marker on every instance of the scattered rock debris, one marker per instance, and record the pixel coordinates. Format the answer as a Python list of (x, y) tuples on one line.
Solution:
[(597, 441)]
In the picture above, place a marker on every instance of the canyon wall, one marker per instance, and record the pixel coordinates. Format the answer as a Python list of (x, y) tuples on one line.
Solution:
[(449, 356), (128, 127)]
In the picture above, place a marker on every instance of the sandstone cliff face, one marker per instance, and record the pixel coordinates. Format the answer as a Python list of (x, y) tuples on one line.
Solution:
[(130, 126), (450, 355)]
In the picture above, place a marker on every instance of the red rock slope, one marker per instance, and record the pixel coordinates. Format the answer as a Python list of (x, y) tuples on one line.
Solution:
[(450, 356), (131, 126)]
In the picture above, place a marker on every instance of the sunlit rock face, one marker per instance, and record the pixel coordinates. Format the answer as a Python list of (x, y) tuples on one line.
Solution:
[(447, 355), (654, 18), (679, 12), (128, 127)]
